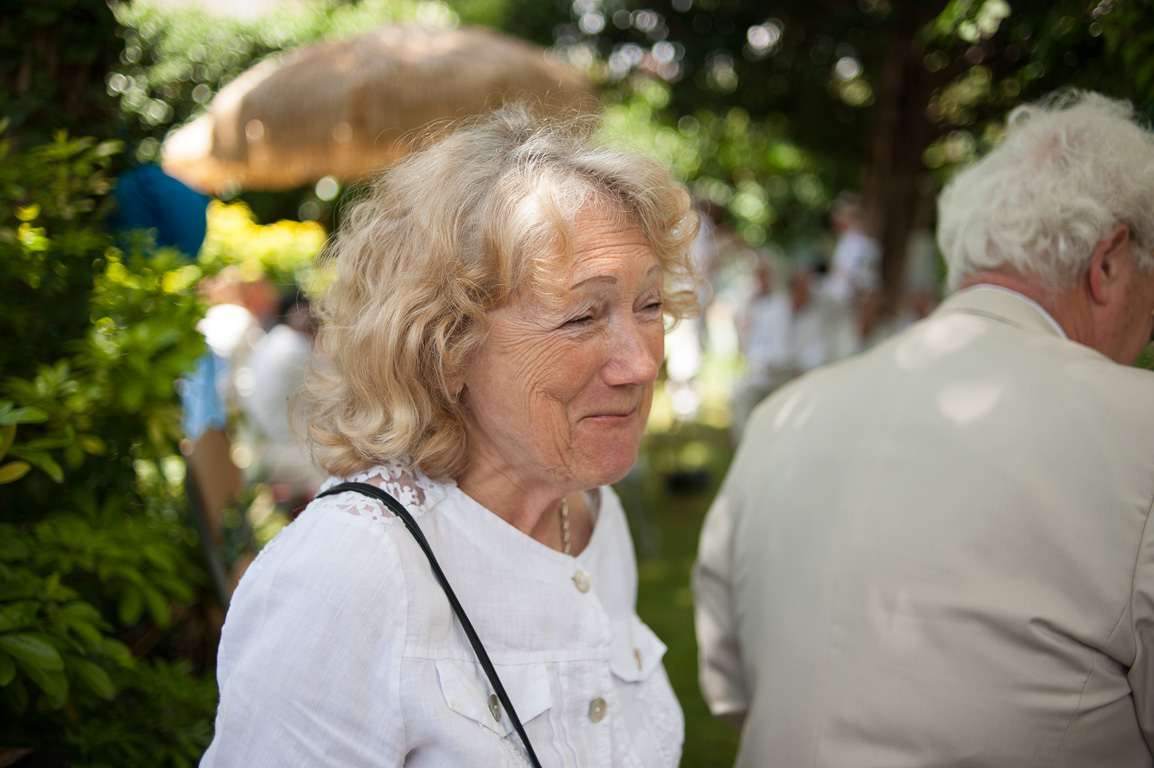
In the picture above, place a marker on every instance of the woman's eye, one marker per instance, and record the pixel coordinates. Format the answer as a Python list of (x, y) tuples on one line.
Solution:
[(580, 320), (654, 305)]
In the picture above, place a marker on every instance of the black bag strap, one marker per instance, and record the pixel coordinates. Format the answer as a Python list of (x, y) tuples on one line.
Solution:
[(399, 510)]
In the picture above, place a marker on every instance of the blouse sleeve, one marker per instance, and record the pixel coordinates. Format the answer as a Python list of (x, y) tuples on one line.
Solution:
[(310, 659)]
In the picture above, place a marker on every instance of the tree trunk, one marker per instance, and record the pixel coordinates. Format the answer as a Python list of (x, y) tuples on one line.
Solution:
[(902, 132)]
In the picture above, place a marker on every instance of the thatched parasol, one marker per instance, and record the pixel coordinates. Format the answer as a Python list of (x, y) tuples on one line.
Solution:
[(346, 107)]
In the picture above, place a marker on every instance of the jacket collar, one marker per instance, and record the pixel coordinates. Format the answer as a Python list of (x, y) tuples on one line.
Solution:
[(1004, 306)]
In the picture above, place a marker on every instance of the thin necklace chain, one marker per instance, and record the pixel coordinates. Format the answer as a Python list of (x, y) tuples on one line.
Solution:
[(564, 525)]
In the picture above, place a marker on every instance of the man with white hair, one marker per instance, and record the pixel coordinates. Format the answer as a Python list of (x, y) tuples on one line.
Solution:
[(938, 553)]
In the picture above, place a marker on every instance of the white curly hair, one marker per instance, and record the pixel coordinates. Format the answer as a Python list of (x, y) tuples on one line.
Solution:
[(1069, 169)]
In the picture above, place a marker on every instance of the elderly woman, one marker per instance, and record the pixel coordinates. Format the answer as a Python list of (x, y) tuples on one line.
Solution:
[(495, 329)]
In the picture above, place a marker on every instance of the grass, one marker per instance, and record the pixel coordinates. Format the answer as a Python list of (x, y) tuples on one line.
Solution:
[(667, 497)]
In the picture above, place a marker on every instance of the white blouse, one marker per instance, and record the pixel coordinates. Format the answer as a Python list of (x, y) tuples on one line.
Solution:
[(340, 648)]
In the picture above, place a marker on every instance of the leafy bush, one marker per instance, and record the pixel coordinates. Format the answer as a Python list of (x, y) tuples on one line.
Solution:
[(1146, 359), (283, 251), (53, 56), (96, 561)]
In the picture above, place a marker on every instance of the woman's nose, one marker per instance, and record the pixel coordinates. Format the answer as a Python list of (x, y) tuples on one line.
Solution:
[(635, 353)]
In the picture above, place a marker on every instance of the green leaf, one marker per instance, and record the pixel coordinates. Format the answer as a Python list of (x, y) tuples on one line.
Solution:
[(32, 650), (132, 395), (16, 695), (52, 681), (157, 605), (79, 611), (12, 545), (7, 435), (45, 444), (93, 445), (41, 460), (13, 471), (19, 615), (28, 415), (175, 586), (117, 651), (159, 556), (84, 628), (106, 148), (131, 605), (7, 669), (89, 633), (93, 676)]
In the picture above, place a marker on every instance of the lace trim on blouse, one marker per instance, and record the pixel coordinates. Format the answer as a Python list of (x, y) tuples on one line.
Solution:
[(407, 484)]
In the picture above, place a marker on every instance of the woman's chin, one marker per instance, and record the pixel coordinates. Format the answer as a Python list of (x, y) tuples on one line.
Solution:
[(611, 466)]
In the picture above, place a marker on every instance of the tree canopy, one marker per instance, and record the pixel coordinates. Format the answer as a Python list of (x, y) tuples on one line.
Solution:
[(885, 96)]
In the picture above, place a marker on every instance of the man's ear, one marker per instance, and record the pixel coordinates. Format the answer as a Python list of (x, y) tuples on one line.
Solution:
[(1108, 264)]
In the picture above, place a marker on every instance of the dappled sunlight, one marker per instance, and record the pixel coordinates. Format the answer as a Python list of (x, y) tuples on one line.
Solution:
[(964, 402), (792, 412), (936, 341)]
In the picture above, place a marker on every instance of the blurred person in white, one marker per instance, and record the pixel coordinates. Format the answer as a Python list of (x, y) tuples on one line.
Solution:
[(781, 334), (231, 326), (265, 383), (856, 257), (493, 336), (850, 294), (938, 553)]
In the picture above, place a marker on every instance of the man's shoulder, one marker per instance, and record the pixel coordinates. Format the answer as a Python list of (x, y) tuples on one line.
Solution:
[(941, 349), (1133, 387)]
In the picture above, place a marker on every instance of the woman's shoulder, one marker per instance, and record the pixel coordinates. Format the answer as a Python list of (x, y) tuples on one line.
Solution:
[(314, 637), (347, 537), (399, 478)]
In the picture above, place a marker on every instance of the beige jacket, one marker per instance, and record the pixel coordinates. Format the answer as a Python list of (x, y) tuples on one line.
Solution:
[(937, 554)]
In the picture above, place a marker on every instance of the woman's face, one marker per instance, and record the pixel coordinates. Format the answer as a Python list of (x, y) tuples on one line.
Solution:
[(558, 398)]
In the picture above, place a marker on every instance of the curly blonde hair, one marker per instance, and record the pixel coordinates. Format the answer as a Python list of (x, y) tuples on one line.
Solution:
[(442, 238)]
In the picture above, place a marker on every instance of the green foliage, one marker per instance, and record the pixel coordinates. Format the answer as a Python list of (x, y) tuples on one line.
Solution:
[(42, 267), (767, 183), (992, 56), (94, 554), (850, 87), (53, 56), (179, 704), (52, 641), (775, 101), (284, 251), (1146, 359), (175, 61)]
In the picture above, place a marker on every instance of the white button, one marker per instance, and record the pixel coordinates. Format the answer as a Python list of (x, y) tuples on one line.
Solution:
[(495, 707), (582, 580), (597, 709)]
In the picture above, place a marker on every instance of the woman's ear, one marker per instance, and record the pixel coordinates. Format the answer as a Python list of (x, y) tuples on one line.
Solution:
[(1108, 265)]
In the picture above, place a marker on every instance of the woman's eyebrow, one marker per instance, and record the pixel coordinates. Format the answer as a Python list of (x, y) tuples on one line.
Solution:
[(611, 279)]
